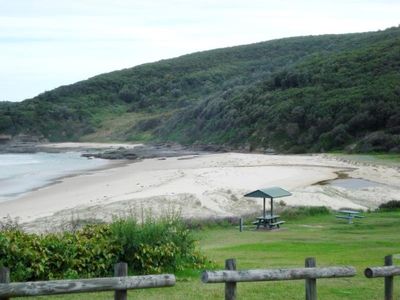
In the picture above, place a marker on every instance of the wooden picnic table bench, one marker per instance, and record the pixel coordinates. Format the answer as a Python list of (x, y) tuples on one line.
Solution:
[(349, 215), (277, 224), (268, 221)]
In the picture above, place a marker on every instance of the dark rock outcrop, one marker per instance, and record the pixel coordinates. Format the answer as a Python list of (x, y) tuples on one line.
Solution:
[(142, 152)]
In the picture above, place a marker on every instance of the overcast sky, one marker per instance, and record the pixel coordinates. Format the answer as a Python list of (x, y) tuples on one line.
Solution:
[(48, 43)]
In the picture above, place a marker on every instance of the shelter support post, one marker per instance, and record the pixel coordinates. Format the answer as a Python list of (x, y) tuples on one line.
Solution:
[(272, 207), (264, 208)]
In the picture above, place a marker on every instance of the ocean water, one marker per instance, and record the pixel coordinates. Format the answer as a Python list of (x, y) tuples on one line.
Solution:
[(20, 173)]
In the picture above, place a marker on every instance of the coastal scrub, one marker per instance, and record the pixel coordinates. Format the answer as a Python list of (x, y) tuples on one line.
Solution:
[(151, 247)]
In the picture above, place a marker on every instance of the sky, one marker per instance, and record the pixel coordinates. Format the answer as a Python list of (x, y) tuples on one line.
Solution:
[(48, 43)]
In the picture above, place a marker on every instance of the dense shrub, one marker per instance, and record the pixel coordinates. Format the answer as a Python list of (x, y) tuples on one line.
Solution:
[(391, 205), (152, 247), (147, 124), (156, 245), (85, 253)]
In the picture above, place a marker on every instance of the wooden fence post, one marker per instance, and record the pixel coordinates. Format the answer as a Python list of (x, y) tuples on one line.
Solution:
[(121, 269), (4, 278), (311, 284), (389, 279), (241, 224), (230, 287)]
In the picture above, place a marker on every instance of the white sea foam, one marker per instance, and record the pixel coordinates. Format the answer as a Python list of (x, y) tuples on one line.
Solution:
[(17, 159)]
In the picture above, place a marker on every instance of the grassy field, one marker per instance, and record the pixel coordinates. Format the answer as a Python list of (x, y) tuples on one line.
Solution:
[(332, 241), (372, 158)]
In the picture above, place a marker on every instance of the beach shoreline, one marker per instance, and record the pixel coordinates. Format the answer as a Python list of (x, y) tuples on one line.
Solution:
[(117, 154), (60, 178), (199, 186)]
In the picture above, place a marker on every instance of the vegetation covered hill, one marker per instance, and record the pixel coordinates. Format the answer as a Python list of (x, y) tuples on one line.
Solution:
[(314, 93)]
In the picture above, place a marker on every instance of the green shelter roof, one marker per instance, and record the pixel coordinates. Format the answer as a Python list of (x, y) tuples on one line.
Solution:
[(272, 192)]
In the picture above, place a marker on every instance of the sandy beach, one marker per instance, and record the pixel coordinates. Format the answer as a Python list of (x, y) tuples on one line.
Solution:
[(201, 186)]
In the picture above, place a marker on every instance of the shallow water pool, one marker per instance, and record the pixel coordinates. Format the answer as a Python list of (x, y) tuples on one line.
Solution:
[(354, 183)]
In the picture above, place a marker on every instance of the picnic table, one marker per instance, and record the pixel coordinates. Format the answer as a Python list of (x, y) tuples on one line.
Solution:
[(349, 215), (269, 222)]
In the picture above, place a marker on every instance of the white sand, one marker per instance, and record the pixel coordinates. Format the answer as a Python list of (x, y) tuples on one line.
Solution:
[(200, 186)]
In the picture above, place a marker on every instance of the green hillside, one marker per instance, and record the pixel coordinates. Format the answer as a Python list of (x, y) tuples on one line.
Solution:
[(314, 93)]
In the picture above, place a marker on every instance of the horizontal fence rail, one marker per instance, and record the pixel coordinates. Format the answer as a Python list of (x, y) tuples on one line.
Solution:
[(276, 274), (230, 276), (84, 285), (374, 272), (120, 284), (388, 272)]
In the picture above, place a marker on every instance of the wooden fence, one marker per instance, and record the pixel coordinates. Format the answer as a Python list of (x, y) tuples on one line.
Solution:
[(310, 274), (230, 276), (120, 284), (388, 272)]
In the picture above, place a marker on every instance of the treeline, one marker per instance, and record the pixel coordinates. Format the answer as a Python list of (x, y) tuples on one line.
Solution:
[(301, 94)]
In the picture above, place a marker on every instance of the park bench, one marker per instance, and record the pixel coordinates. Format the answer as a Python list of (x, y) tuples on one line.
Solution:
[(277, 224)]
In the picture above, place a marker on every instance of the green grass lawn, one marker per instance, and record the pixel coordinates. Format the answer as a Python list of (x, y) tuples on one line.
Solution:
[(388, 159), (331, 241)]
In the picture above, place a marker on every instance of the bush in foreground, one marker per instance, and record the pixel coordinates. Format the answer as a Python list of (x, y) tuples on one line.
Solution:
[(85, 253), (156, 245), (152, 247)]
